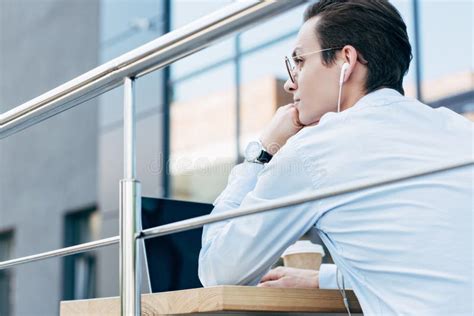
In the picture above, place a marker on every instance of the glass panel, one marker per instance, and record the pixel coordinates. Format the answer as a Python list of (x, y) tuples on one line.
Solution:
[(186, 11), (126, 25), (280, 32), (263, 77), (5, 302), (273, 28), (205, 83), (406, 11), (447, 51), (79, 269), (203, 134), (6, 245), (267, 62)]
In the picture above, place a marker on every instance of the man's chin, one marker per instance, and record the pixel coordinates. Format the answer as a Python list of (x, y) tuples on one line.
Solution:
[(308, 121)]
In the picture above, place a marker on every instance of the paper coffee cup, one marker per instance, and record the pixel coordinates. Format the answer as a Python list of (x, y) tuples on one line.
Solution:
[(303, 254)]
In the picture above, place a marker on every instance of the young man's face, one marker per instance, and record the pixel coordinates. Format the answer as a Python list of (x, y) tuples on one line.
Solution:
[(316, 85)]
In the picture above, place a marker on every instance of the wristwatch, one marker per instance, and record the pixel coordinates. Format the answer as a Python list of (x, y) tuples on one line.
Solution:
[(256, 153)]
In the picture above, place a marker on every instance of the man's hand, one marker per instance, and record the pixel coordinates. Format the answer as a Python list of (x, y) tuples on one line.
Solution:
[(290, 277), (284, 124)]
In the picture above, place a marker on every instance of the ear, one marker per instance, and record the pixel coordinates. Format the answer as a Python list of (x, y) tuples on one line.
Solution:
[(349, 56)]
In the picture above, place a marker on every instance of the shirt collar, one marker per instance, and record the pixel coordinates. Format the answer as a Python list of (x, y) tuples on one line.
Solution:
[(378, 97)]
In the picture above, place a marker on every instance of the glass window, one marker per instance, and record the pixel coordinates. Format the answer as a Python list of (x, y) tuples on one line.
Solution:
[(184, 12), (79, 281), (204, 83), (406, 11), (263, 77), (267, 62), (262, 49), (280, 33), (203, 134), (205, 58), (285, 23), (187, 11), (126, 25), (447, 51), (6, 245)]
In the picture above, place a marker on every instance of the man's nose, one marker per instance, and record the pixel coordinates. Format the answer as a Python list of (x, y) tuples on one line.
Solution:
[(290, 86)]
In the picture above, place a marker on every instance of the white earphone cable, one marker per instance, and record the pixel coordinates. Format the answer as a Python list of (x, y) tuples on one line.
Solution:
[(339, 98), (343, 292)]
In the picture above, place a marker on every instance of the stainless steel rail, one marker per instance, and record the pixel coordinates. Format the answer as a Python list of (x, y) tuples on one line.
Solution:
[(293, 200), (209, 219), (61, 252), (130, 211), (142, 60), (126, 68)]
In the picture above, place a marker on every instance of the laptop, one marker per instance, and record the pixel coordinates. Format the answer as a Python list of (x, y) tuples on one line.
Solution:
[(172, 260)]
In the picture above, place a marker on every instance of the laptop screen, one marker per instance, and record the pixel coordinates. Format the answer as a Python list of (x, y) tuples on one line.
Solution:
[(172, 260)]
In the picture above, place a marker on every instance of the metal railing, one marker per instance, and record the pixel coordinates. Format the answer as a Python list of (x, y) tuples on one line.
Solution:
[(125, 69), (140, 61)]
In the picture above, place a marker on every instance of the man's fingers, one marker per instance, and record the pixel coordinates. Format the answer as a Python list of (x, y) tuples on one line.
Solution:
[(276, 283), (273, 274)]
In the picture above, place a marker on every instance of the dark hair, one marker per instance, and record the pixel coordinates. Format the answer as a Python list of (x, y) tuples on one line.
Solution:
[(374, 28)]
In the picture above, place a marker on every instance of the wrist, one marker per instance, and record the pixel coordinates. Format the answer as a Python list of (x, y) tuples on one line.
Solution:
[(270, 147), (314, 279), (256, 152)]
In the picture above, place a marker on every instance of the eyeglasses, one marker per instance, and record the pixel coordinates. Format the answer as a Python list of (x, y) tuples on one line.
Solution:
[(290, 66)]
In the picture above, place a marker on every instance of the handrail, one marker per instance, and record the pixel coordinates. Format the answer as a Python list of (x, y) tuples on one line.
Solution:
[(125, 69), (66, 251), (197, 222), (142, 60), (296, 199)]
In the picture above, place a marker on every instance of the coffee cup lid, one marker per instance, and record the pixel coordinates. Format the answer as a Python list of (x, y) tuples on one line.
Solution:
[(304, 246)]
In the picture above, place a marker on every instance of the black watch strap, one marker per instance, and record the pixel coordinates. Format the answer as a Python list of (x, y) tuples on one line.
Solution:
[(264, 157)]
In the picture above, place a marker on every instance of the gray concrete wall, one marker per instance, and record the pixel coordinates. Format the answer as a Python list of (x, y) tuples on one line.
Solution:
[(51, 168)]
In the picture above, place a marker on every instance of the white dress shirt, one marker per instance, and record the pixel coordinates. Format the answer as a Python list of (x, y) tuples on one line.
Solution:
[(404, 248)]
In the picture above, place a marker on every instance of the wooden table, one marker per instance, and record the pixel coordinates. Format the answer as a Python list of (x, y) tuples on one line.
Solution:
[(226, 300)]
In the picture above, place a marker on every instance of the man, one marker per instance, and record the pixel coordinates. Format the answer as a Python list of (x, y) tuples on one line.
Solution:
[(404, 248)]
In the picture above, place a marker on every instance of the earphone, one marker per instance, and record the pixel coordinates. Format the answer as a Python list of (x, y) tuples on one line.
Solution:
[(344, 68), (343, 72)]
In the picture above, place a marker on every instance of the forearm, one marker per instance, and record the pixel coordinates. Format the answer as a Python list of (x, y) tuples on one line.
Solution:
[(241, 181), (242, 250)]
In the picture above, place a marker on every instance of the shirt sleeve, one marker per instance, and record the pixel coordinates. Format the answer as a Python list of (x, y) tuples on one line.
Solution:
[(242, 180), (240, 251), (327, 278)]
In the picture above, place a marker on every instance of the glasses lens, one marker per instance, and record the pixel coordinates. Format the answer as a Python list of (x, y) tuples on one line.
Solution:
[(289, 68)]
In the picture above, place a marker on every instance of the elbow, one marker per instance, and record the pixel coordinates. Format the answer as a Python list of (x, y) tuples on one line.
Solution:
[(213, 272), (214, 278)]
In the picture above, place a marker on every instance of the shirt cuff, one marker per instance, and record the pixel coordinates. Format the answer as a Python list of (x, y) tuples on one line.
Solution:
[(327, 277)]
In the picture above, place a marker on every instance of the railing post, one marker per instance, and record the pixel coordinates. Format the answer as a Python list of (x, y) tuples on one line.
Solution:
[(130, 212)]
